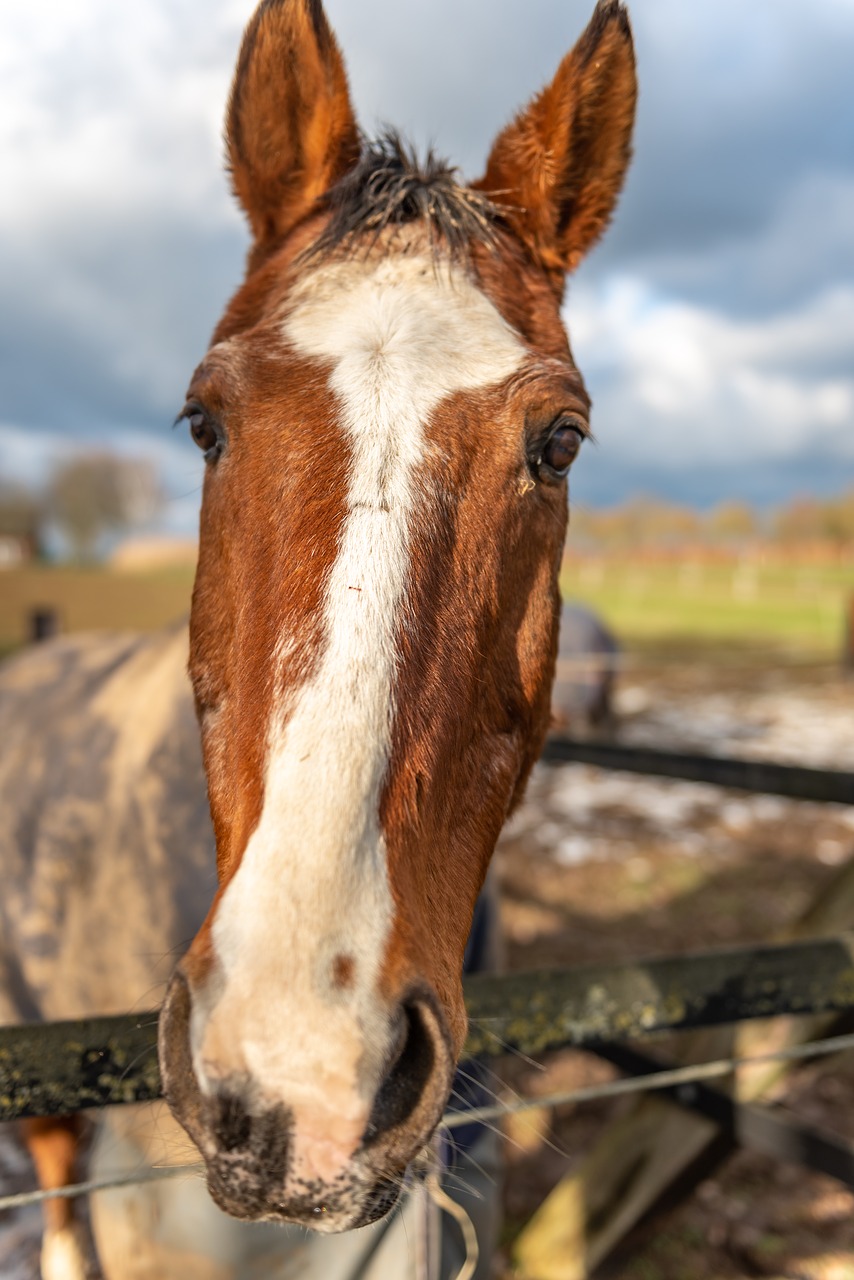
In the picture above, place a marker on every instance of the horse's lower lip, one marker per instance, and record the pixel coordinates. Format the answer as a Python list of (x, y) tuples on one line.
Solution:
[(241, 1194)]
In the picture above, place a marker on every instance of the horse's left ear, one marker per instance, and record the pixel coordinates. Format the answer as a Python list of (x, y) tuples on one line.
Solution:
[(557, 170), (290, 128)]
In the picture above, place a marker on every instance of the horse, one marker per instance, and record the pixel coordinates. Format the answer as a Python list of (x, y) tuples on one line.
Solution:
[(388, 413), (588, 658)]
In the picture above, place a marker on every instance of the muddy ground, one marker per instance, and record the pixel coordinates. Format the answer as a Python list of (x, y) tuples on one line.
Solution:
[(602, 867)]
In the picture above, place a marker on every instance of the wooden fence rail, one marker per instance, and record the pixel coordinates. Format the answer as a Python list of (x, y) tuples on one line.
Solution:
[(56, 1068)]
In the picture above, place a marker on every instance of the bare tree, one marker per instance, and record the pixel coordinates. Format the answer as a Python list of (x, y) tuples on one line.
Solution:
[(22, 517), (101, 492)]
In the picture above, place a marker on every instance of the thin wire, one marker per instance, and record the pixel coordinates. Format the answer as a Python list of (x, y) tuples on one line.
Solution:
[(655, 1080), (25, 1198), (655, 663), (455, 1119)]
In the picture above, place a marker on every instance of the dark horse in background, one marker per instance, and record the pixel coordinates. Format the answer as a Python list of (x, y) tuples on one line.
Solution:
[(388, 412)]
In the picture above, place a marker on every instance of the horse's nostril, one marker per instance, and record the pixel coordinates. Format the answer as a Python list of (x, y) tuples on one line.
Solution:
[(176, 1066), (263, 1136), (381, 1201), (230, 1122), (411, 1067)]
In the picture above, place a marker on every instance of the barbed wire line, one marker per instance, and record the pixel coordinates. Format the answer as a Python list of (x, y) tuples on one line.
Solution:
[(672, 1077)]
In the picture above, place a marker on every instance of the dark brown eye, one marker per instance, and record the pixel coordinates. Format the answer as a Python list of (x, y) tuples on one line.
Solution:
[(560, 450), (204, 432)]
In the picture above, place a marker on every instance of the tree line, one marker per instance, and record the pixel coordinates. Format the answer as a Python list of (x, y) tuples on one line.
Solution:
[(734, 524), (86, 499)]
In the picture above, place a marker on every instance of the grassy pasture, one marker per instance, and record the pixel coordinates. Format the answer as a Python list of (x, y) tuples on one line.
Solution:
[(794, 606)]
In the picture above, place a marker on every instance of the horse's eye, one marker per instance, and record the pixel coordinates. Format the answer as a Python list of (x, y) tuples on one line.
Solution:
[(560, 450), (205, 433), (202, 431)]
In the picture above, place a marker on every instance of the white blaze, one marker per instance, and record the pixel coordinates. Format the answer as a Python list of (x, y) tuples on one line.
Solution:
[(400, 335)]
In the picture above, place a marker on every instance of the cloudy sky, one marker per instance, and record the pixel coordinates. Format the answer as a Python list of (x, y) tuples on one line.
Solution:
[(714, 325)]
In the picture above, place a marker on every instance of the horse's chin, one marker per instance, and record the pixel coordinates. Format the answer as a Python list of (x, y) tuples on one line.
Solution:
[(346, 1209)]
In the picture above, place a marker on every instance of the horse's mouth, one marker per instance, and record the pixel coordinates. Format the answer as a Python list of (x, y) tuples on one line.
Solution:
[(243, 1192)]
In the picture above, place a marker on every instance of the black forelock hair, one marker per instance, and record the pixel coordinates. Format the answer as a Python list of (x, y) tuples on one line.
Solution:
[(390, 186)]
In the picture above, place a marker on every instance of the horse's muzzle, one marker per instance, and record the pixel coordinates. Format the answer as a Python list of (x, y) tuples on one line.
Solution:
[(251, 1144)]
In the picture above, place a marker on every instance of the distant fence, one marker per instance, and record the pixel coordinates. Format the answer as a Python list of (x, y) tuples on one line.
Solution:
[(792, 781)]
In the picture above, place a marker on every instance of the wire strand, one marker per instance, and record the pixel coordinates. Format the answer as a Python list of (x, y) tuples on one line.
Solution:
[(24, 1198), (667, 1079)]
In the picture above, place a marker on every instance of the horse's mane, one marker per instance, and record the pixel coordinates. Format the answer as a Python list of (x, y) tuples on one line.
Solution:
[(390, 186)]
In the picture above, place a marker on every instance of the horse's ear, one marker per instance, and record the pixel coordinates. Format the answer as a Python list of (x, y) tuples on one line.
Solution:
[(557, 170), (290, 128)]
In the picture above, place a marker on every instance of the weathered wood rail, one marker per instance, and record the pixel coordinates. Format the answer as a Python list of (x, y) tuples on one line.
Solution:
[(55, 1068)]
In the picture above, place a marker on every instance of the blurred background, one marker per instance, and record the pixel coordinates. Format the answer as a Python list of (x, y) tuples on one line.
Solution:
[(710, 553)]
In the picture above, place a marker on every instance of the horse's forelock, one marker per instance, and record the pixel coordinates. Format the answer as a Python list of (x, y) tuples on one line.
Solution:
[(391, 187)]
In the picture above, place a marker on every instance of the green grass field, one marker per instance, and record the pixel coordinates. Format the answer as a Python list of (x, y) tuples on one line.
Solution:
[(798, 607), (795, 606)]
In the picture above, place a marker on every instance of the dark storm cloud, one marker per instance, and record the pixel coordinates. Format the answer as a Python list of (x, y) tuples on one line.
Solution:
[(603, 481), (110, 319), (805, 247), (742, 101)]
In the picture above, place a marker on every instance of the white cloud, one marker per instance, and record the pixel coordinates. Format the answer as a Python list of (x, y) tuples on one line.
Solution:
[(695, 385), (113, 107)]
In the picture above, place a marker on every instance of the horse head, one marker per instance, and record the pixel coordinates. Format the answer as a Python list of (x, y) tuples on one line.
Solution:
[(388, 412)]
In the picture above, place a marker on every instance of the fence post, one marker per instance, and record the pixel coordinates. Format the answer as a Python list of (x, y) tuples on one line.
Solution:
[(42, 623)]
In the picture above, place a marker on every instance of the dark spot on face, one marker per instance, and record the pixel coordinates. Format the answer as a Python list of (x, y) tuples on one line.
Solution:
[(343, 970)]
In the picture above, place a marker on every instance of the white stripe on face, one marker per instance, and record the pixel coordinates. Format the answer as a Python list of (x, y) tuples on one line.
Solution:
[(400, 334)]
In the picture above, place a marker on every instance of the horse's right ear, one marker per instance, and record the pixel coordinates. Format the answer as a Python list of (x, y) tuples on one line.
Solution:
[(290, 128)]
